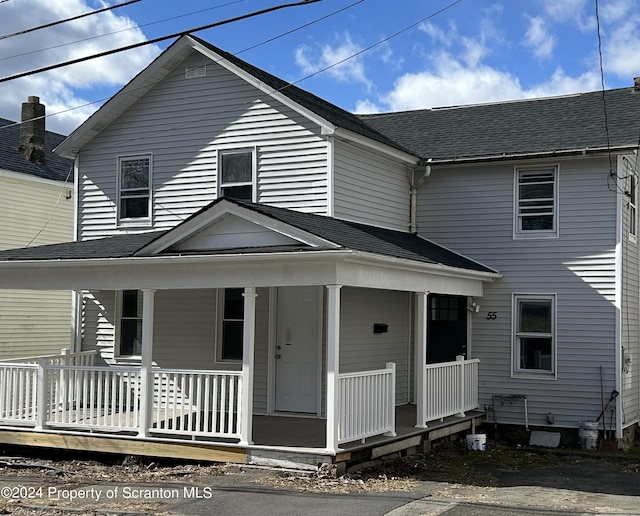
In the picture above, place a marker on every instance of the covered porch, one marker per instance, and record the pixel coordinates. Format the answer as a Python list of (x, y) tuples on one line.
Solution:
[(332, 328)]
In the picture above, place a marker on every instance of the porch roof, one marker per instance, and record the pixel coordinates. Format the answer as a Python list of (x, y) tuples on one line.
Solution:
[(344, 235)]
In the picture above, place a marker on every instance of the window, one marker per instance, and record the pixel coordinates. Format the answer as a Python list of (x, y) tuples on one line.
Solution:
[(232, 324), (444, 308), (536, 202), (633, 202), (131, 323), (134, 187), (236, 175), (534, 338)]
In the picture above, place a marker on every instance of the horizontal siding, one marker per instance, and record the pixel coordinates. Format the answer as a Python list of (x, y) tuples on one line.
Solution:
[(470, 210), (98, 320), (34, 213), (183, 123), (361, 349), (370, 189), (630, 332)]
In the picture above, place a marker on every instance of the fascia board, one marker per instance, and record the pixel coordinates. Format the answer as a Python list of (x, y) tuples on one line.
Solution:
[(326, 126), (125, 98), (363, 258), (197, 223)]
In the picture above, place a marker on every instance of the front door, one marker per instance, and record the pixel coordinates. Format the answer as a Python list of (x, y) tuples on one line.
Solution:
[(447, 328), (297, 337)]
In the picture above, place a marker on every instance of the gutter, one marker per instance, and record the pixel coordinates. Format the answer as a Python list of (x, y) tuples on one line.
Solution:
[(510, 156)]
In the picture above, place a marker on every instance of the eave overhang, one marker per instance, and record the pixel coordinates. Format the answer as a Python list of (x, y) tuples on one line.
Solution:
[(308, 267)]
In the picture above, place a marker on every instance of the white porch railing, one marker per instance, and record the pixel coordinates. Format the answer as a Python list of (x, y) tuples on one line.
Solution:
[(450, 388), (367, 404), (63, 394)]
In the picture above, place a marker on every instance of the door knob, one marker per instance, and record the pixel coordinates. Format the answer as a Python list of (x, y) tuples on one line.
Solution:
[(278, 355)]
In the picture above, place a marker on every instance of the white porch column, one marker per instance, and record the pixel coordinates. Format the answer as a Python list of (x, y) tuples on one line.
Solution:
[(146, 371), (248, 346), (333, 365), (421, 357)]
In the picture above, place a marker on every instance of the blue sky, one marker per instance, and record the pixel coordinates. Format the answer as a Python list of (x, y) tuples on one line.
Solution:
[(407, 54)]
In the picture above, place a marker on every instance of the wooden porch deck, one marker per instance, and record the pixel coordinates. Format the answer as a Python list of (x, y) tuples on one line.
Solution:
[(278, 440)]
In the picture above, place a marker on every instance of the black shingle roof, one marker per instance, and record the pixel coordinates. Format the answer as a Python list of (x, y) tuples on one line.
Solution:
[(330, 112), (55, 167), (347, 235), (554, 124)]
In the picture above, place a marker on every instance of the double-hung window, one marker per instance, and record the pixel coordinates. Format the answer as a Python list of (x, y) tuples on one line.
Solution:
[(130, 323), (236, 174), (134, 188), (534, 339), (536, 202), (232, 328)]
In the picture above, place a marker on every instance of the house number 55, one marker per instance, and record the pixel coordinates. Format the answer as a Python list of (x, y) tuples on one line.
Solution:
[(492, 315)]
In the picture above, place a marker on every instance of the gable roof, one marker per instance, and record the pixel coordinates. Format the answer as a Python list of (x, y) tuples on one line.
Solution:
[(270, 84), (340, 235), (55, 167), (555, 125)]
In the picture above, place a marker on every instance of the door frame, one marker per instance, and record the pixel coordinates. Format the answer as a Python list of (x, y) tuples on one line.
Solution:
[(271, 363)]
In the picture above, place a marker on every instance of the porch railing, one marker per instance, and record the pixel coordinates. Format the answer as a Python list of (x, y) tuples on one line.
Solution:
[(450, 388), (109, 398), (367, 404)]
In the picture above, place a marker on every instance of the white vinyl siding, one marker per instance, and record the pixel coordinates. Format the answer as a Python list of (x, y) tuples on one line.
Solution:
[(193, 120), (471, 210), (33, 212), (370, 189), (361, 349), (630, 324)]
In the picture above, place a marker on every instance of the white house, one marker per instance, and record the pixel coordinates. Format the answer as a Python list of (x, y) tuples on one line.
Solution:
[(265, 277)]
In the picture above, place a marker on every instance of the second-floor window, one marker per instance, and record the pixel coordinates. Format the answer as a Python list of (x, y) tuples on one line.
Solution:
[(236, 173), (134, 188), (536, 202)]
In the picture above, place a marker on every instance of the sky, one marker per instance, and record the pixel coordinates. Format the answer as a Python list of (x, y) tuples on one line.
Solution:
[(365, 56)]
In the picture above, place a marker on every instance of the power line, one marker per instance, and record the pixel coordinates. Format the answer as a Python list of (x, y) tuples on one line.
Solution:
[(157, 40), (26, 31), (119, 31)]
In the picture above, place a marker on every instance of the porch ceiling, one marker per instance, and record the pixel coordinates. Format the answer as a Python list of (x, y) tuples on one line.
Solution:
[(326, 267)]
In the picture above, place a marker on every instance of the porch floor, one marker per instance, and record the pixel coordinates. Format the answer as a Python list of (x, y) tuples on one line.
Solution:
[(306, 432)]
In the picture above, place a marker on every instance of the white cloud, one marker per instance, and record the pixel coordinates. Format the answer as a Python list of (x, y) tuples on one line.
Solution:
[(574, 12), (538, 38), (57, 88), (343, 67), (621, 44)]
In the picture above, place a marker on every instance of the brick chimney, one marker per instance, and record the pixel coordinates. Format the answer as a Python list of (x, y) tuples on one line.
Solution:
[(32, 131), (636, 84)]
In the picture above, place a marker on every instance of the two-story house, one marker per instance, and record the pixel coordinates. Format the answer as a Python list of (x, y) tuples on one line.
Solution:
[(36, 208), (269, 275)]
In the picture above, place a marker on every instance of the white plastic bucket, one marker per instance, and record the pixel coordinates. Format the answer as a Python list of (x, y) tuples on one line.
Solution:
[(477, 442), (588, 435)]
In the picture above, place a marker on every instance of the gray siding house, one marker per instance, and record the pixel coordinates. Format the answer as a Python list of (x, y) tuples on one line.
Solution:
[(271, 276)]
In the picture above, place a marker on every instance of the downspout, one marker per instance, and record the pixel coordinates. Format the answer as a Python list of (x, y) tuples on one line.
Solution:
[(414, 184)]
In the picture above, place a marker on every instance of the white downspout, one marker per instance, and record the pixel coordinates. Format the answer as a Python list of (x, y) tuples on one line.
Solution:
[(413, 190)]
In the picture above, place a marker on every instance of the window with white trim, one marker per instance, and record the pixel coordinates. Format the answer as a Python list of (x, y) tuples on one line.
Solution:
[(536, 202), (236, 174), (633, 212), (134, 188), (130, 324), (534, 340), (231, 331)]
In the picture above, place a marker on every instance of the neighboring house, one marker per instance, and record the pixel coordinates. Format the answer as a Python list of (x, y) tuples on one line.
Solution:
[(278, 279), (36, 208)]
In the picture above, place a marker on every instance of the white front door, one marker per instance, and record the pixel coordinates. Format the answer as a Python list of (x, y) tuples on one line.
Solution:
[(297, 337)]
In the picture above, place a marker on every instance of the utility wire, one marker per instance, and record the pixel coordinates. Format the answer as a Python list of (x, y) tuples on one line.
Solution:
[(157, 40), (26, 31), (136, 27)]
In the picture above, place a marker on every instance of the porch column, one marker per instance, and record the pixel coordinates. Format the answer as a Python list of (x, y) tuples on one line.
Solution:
[(421, 357), (333, 365), (146, 371), (248, 346)]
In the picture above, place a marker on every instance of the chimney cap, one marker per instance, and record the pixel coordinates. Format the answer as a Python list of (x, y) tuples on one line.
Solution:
[(33, 99)]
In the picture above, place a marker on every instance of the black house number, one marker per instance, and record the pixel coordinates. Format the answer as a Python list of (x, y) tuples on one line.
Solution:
[(492, 315)]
